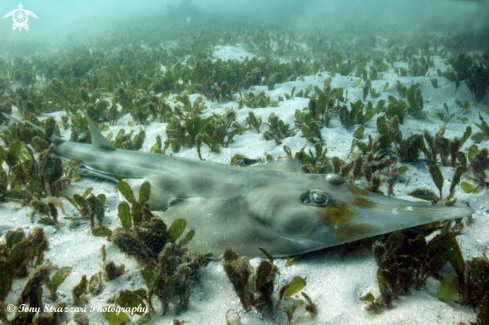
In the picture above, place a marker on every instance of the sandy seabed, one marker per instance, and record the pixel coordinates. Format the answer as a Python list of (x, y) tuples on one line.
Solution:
[(335, 278)]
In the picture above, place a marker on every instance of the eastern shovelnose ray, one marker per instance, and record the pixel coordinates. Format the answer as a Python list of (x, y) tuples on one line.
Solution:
[(287, 213)]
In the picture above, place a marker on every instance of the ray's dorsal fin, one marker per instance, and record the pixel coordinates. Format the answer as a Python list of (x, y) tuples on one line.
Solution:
[(98, 140)]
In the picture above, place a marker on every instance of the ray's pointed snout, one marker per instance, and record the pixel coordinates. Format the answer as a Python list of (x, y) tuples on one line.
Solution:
[(356, 214)]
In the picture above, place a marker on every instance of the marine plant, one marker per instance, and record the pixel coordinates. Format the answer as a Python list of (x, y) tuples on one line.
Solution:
[(478, 81), (447, 117), (484, 133), (311, 122), (356, 115), (20, 252), (378, 66), (396, 107), (213, 131), (340, 65), (407, 258), (48, 211), (401, 89), (272, 80), (242, 160), (429, 195), (218, 130), (315, 162), (261, 100), (253, 122), (479, 162), (95, 283), (45, 174), (319, 111), (123, 140), (79, 128), (415, 100), (401, 72), (169, 268), (419, 67), (434, 82), (111, 272), (373, 91), (461, 68), (157, 147), (445, 147), (91, 207), (80, 291), (260, 292), (277, 129), (465, 106), (20, 131), (410, 148)]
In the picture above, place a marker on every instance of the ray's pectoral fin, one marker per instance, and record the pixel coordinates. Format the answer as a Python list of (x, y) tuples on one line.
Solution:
[(218, 223), (166, 191)]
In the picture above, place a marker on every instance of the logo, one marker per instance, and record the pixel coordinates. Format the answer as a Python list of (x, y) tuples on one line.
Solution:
[(20, 17)]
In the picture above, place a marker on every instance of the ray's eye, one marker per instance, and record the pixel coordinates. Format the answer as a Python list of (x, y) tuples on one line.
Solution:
[(315, 198), (318, 198)]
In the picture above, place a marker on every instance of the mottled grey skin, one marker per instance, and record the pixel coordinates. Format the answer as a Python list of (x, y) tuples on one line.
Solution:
[(288, 213)]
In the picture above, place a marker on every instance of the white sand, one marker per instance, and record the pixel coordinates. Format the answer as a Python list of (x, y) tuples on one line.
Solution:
[(335, 278)]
